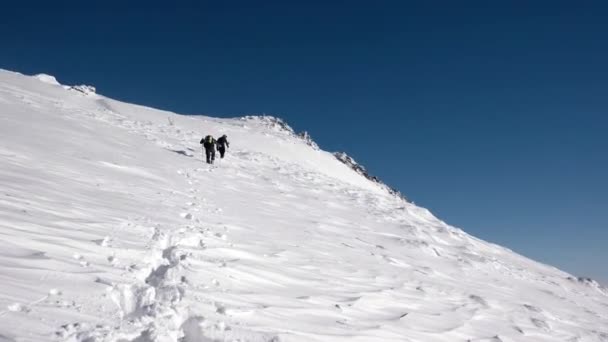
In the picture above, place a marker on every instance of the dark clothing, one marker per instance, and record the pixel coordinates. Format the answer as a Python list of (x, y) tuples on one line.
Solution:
[(222, 151), (222, 144), (223, 141), (210, 154), (209, 144)]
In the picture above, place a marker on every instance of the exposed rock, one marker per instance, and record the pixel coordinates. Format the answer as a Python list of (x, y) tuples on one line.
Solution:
[(350, 162), (274, 123), (590, 282), (278, 124), (308, 139), (85, 89)]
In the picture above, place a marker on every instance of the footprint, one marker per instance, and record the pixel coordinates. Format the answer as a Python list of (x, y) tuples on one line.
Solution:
[(55, 292), (221, 236), (17, 307), (539, 323), (133, 300), (486, 339), (479, 300), (220, 309), (67, 330), (532, 308), (83, 263), (105, 242)]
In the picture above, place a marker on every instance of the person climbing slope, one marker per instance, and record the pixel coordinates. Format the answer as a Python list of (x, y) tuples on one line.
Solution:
[(208, 143), (222, 144)]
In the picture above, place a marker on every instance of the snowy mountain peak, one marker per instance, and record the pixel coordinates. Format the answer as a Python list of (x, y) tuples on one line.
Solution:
[(116, 230)]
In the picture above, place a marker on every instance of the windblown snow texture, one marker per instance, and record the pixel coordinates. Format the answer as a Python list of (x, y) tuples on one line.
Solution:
[(113, 229)]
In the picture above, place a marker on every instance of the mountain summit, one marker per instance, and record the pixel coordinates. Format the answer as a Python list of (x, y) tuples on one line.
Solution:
[(114, 229)]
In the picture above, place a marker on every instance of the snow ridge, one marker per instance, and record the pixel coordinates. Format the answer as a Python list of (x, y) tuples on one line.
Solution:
[(117, 231), (84, 89), (591, 283), (360, 169), (271, 122), (280, 125), (49, 79)]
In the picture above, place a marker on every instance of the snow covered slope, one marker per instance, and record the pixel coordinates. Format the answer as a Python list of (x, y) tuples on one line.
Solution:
[(112, 229)]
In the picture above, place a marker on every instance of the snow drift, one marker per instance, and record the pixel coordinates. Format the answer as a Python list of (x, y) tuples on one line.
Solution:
[(114, 230)]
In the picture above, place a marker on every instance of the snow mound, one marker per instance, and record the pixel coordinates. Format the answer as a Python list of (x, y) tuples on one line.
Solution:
[(83, 89), (47, 79)]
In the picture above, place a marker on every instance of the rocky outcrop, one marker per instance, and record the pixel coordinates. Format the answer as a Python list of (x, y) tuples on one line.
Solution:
[(350, 162)]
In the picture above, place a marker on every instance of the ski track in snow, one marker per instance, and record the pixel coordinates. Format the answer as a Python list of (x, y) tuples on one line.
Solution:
[(115, 230)]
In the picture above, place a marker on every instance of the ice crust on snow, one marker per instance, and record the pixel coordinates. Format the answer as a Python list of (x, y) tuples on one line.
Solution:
[(114, 230)]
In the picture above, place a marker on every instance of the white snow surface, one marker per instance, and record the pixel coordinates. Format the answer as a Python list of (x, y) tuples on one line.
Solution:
[(113, 229), (47, 79)]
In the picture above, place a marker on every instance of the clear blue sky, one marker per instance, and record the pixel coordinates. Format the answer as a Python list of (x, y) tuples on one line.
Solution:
[(494, 115)]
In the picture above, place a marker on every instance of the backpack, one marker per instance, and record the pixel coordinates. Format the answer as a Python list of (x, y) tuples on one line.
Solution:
[(209, 140)]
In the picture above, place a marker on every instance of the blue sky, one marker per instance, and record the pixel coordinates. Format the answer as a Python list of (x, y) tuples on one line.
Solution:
[(491, 114)]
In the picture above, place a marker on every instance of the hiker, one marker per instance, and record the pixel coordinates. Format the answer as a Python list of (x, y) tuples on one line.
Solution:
[(209, 144), (222, 144)]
